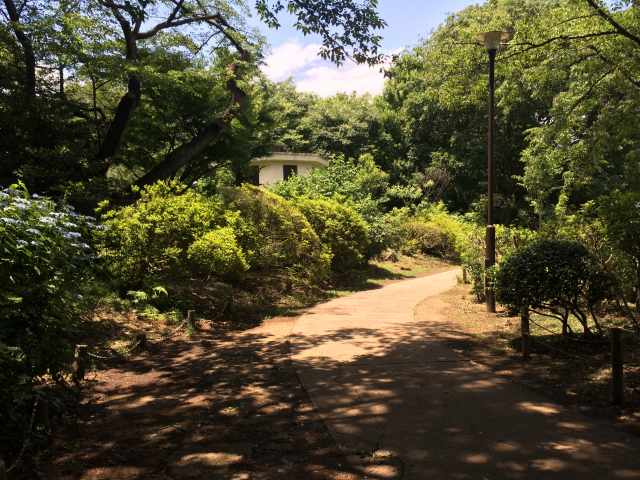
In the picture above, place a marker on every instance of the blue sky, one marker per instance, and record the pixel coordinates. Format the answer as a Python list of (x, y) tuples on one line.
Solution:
[(294, 55)]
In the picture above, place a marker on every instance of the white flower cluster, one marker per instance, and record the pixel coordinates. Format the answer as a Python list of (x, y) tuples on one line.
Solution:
[(34, 221)]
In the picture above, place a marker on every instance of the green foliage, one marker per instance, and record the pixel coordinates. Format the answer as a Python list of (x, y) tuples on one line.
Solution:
[(556, 275), (359, 184), (275, 235), (149, 240), (425, 238), (348, 28), (436, 101), (620, 215), (472, 249), (46, 268), (217, 253), (340, 228), (171, 79), (587, 144)]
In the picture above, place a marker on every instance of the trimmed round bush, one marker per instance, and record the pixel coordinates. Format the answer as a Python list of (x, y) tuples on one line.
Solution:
[(217, 253), (340, 228), (275, 235), (560, 276)]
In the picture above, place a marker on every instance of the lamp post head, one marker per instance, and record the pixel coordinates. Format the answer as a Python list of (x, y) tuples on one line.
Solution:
[(493, 40)]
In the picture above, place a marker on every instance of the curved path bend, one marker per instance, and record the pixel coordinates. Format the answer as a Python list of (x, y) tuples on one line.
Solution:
[(403, 405)]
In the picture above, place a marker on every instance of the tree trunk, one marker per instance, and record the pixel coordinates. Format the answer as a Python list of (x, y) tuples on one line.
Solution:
[(182, 156), (126, 106), (185, 153), (584, 321), (27, 49), (125, 109), (565, 323)]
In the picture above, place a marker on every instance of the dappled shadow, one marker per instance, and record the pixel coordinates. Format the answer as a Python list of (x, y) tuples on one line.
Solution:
[(217, 405), (396, 395)]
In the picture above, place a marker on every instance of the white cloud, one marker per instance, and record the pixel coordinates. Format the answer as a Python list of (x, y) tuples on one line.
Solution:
[(312, 74), (327, 80), (288, 58)]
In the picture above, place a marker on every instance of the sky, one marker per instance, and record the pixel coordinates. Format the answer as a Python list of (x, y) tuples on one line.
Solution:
[(293, 55)]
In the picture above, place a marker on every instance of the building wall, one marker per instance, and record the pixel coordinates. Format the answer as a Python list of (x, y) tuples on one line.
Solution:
[(272, 173)]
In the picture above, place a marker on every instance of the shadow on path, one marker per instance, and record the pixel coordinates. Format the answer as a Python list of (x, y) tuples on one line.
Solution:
[(403, 404), (217, 406)]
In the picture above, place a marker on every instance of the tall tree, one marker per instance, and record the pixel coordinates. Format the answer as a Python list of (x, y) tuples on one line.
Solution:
[(123, 48)]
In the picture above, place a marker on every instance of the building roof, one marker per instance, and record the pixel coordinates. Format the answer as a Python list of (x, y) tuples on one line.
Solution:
[(288, 157)]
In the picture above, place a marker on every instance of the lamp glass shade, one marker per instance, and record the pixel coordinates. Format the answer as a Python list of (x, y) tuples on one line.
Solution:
[(493, 40)]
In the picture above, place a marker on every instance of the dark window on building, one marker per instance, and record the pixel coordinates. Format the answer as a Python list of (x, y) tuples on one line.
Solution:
[(289, 170), (254, 175)]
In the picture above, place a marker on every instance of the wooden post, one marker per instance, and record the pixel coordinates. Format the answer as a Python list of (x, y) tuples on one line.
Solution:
[(617, 371), (190, 320), (465, 278), (140, 341), (524, 332), (3, 470), (79, 363)]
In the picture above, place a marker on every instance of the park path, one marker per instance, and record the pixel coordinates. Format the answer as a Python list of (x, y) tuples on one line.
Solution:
[(402, 404)]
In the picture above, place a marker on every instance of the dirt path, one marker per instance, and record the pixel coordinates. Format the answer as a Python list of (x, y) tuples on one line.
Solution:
[(219, 405), (403, 404)]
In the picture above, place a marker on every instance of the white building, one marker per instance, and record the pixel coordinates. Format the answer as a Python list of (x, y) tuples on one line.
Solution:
[(281, 165)]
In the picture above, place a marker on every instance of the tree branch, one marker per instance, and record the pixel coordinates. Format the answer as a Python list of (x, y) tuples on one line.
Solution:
[(176, 23), (624, 73), (611, 21), (566, 38)]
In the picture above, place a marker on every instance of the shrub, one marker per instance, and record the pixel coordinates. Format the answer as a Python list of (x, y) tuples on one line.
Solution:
[(359, 184), (620, 214), (427, 238), (275, 235), (471, 247), (217, 253), (46, 268), (556, 275), (340, 229), (150, 239)]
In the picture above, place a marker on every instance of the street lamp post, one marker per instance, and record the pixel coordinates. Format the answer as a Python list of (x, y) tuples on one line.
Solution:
[(492, 42)]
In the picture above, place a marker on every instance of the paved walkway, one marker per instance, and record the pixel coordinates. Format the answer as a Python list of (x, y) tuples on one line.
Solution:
[(406, 406)]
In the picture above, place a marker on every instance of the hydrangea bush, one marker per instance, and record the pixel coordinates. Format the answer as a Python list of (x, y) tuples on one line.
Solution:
[(45, 266)]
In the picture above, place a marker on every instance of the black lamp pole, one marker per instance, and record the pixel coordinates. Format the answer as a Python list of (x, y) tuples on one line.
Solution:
[(490, 253)]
